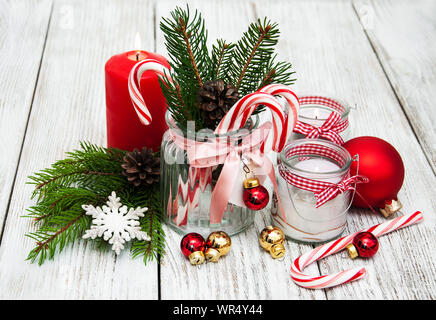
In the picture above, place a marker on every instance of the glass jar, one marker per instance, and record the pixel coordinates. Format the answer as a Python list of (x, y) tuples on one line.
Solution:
[(317, 160), (316, 109), (186, 191)]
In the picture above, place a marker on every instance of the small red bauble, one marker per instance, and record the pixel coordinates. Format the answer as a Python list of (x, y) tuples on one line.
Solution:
[(255, 196), (366, 244), (382, 165), (192, 242)]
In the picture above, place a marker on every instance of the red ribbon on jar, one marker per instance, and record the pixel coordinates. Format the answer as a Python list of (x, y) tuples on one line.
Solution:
[(324, 191), (333, 125)]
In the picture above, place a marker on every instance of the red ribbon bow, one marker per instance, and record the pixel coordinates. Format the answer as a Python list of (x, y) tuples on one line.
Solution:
[(331, 192), (329, 130), (324, 191)]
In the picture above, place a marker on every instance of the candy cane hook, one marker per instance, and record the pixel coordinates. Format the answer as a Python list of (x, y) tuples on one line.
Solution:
[(283, 123), (134, 85), (334, 246)]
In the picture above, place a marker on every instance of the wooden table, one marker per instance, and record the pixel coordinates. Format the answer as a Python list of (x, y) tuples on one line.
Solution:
[(378, 55)]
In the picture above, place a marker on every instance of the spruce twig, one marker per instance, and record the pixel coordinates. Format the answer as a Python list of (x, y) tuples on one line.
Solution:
[(186, 36), (86, 176), (263, 32)]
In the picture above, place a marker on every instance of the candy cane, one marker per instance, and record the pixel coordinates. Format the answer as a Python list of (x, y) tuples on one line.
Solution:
[(289, 95), (334, 246), (241, 111), (134, 85)]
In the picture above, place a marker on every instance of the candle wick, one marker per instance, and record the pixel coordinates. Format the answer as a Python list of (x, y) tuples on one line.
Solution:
[(137, 56)]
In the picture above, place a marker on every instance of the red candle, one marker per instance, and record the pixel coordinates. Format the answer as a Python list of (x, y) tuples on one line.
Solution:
[(124, 129)]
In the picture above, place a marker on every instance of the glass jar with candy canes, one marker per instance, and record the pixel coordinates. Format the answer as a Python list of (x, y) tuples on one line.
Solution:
[(213, 99), (190, 172), (323, 117), (315, 190)]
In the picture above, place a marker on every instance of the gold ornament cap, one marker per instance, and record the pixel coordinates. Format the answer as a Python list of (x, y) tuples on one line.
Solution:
[(352, 251), (277, 250), (196, 258), (391, 207), (251, 183), (220, 241), (269, 236), (212, 255)]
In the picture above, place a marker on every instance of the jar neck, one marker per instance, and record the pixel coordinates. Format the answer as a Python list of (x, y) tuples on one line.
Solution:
[(202, 135), (315, 108), (316, 159)]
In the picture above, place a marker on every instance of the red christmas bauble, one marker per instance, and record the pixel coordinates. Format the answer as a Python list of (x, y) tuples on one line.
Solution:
[(382, 164), (192, 242), (255, 197), (366, 244)]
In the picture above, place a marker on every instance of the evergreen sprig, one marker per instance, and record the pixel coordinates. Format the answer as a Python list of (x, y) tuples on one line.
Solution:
[(222, 61), (88, 176), (249, 64), (186, 43)]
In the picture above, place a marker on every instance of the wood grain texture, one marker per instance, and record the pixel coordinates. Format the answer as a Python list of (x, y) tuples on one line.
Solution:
[(69, 106), (23, 27), (247, 272), (329, 48), (403, 35), (332, 54)]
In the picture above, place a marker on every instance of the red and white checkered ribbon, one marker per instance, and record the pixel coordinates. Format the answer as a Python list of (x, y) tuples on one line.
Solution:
[(331, 280), (134, 86), (329, 130), (332, 126), (324, 191)]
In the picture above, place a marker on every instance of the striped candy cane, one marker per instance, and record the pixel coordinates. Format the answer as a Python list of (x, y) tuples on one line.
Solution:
[(290, 97), (238, 115), (134, 85), (334, 246)]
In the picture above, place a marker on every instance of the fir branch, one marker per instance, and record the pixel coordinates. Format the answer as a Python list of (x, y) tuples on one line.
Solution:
[(221, 60), (86, 176), (151, 223), (186, 37), (248, 65), (277, 72), (186, 43), (50, 240), (44, 183), (262, 35)]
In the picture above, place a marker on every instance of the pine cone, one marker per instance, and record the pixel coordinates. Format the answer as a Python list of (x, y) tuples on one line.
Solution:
[(216, 99), (141, 167)]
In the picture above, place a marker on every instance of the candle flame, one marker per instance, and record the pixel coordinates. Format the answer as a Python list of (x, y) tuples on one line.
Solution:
[(137, 41)]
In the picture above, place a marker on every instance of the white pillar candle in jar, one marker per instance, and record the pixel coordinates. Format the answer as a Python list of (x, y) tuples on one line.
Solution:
[(316, 109), (304, 222)]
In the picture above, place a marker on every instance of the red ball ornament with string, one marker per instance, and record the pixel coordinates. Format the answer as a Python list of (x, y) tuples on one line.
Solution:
[(255, 196), (364, 245), (382, 164), (193, 246)]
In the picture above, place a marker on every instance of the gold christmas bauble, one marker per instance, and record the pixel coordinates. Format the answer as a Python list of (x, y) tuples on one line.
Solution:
[(212, 255), (220, 241), (270, 236), (196, 258), (277, 250)]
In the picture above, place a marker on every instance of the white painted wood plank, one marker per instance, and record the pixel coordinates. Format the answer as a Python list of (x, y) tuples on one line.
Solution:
[(247, 272), (403, 35), (70, 106), (23, 27), (331, 54)]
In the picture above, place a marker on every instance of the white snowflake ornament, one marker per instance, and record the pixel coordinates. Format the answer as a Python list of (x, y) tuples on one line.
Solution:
[(115, 223)]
